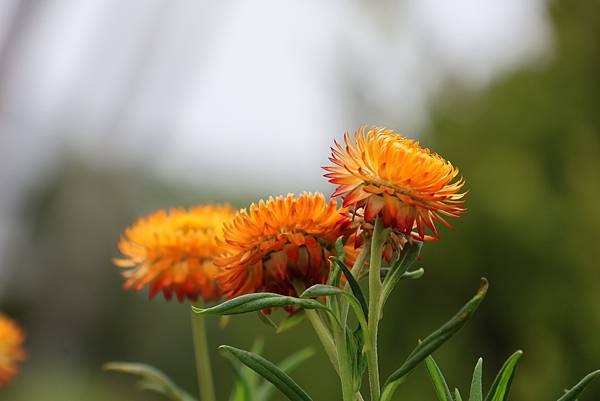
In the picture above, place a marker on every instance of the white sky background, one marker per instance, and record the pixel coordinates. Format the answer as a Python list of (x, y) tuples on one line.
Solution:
[(243, 94)]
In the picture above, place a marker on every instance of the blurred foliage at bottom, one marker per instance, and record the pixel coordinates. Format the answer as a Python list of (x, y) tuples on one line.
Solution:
[(529, 147)]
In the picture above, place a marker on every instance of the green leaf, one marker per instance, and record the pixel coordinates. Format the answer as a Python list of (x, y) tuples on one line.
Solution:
[(438, 379), (501, 386), (433, 342), (354, 344), (355, 287), (413, 275), (151, 379), (572, 394), (288, 365), (457, 395), (258, 345), (270, 372), (256, 302), (322, 290), (476, 393)]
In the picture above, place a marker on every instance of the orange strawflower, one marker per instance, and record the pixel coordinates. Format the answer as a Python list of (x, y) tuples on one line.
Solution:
[(11, 349), (393, 177), (173, 252), (279, 242)]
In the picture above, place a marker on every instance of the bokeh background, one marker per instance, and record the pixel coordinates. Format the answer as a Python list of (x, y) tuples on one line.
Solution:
[(110, 109)]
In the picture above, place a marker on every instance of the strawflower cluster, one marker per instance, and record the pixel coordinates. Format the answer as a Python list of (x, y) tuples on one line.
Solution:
[(307, 255)]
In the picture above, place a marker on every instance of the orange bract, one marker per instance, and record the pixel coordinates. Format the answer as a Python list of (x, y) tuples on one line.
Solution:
[(393, 177), (279, 242), (173, 251), (11, 349)]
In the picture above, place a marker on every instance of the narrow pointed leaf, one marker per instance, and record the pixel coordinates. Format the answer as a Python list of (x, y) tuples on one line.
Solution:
[(355, 287), (256, 302), (288, 365), (270, 372), (572, 394), (501, 386), (151, 379), (433, 342), (476, 393), (439, 381), (457, 396), (258, 345)]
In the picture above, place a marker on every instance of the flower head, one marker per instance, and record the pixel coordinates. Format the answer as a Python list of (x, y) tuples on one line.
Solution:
[(279, 242), (11, 349), (393, 177), (173, 252)]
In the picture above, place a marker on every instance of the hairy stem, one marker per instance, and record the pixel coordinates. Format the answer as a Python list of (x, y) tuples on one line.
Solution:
[(324, 336), (377, 241), (321, 330), (203, 368)]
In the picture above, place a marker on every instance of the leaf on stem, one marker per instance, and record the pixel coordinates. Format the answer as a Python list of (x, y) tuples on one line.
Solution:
[(152, 379), (438, 379), (256, 302), (413, 275), (270, 372), (476, 393), (354, 286), (434, 341), (501, 386), (572, 394), (288, 365)]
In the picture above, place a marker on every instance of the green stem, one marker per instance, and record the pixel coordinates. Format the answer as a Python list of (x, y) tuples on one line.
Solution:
[(359, 263), (348, 393), (321, 329), (377, 241), (324, 336), (203, 369)]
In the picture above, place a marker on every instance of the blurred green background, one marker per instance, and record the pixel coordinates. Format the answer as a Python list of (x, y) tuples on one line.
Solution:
[(528, 144)]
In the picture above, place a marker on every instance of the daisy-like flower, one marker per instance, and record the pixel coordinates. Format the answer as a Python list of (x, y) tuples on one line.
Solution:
[(173, 252), (279, 242), (391, 176), (11, 349)]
